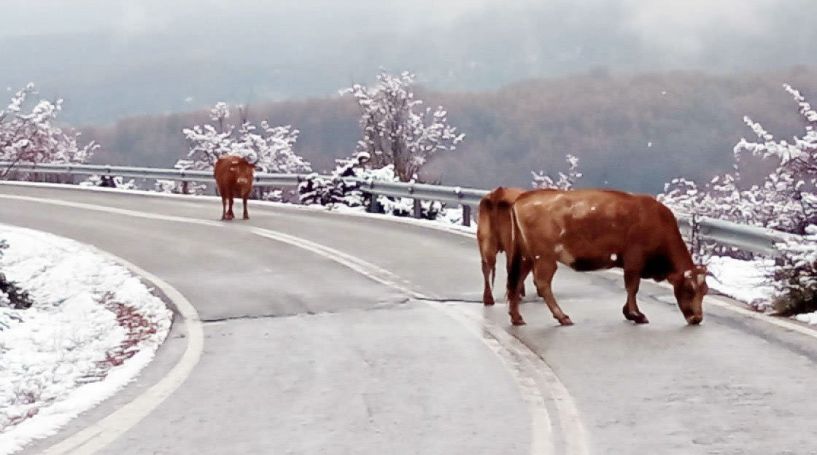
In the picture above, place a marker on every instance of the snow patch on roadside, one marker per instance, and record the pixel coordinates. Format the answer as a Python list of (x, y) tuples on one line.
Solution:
[(741, 280), (92, 328)]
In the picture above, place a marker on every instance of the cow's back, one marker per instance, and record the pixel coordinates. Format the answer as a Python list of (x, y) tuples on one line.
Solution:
[(592, 229)]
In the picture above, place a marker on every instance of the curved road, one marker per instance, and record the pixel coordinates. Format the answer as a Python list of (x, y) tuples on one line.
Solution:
[(339, 334)]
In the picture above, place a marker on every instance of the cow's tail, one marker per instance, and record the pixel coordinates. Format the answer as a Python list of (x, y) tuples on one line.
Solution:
[(515, 255), (486, 230)]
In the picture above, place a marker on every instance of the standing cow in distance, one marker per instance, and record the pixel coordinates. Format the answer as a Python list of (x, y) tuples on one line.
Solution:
[(494, 232), (234, 176), (600, 229)]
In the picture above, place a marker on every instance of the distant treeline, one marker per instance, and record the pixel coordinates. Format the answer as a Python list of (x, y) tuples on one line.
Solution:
[(633, 132)]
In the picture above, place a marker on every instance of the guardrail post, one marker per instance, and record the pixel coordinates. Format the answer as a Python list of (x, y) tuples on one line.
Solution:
[(466, 215), (418, 209), (185, 187)]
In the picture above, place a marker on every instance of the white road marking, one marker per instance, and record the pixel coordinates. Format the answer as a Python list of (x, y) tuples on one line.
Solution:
[(98, 435), (114, 210), (507, 348)]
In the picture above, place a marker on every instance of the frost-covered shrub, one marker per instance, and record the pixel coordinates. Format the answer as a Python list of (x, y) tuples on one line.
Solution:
[(338, 188), (106, 181), (795, 275), (28, 133), (563, 181), (319, 190), (10, 294), (396, 130)]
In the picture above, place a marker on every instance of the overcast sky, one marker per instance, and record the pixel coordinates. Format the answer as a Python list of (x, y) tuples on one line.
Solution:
[(115, 58)]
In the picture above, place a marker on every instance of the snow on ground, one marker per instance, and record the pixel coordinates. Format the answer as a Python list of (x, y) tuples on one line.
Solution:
[(92, 328), (742, 280), (808, 318)]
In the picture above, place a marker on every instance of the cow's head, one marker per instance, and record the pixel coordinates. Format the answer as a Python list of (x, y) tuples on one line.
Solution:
[(690, 289), (244, 175)]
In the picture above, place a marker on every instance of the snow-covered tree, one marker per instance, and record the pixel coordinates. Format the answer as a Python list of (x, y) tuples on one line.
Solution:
[(396, 129), (784, 200), (563, 181), (270, 148), (790, 188), (29, 134)]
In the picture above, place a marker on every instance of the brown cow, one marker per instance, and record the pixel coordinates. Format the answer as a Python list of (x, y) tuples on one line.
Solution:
[(494, 233), (601, 229), (234, 176)]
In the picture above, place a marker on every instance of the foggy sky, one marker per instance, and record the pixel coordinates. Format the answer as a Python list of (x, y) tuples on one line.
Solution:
[(111, 59)]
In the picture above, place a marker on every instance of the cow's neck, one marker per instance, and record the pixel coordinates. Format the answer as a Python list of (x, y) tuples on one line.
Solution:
[(679, 254)]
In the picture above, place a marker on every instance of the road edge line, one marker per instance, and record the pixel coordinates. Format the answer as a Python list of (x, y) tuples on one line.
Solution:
[(106, 430)]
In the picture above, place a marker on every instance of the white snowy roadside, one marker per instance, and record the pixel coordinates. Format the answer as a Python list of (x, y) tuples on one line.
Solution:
[(93, 326), (742, 280)]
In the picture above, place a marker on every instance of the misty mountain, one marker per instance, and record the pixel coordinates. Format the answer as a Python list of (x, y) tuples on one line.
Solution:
[(634, 132)]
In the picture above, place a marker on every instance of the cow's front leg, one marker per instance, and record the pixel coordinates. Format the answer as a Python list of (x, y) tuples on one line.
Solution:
[(632, 279), (543, 272), (246, 214), (230, 215)]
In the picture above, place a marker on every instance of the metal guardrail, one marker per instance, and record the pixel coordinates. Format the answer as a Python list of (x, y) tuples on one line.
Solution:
[(744, 237)]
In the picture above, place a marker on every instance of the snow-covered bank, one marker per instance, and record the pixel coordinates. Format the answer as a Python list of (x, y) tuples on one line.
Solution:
[(744, 281), (92, 328)]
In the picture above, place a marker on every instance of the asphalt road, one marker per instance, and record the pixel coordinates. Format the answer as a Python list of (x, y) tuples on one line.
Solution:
[(307, 354)]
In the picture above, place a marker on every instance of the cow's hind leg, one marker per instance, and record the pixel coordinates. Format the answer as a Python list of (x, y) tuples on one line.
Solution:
[(488, 272), (632, 279), (223, 207), (543, 271), (488, 252), (526, 268)]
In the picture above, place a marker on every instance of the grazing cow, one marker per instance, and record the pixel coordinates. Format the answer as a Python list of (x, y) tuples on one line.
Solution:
[(494, 234), (601, 229), (234, 177)]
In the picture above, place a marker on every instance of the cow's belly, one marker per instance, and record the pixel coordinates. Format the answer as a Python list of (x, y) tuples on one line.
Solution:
[(584, 261)]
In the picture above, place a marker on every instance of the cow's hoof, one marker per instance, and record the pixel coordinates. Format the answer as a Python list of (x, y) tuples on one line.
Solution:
[(694, 320), (488, 300), (517, 320), (565, 320), (638, 318), (246, 218)]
